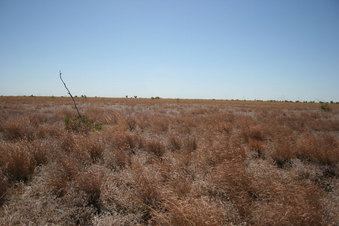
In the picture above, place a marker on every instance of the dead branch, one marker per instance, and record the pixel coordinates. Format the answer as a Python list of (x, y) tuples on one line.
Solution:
[(79, 115)]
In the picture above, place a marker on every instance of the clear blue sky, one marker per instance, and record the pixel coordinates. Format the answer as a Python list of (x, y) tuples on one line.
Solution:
[(178, 49)]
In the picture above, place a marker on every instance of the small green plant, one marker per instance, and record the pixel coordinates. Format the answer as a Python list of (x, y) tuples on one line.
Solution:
[(325, 107), (82, 124)]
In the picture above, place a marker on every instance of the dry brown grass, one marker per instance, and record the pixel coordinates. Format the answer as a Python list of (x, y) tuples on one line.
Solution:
[(174, 142), (190, 212), (287, 204), (322, 148), (168, 162), (230, 181), (16, 161), (61, 174), (18, 128), (155, 147), (90, 182), (3, 186)]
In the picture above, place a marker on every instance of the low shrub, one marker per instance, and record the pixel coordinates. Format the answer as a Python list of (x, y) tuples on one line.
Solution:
[(325, 107), (81, 125)]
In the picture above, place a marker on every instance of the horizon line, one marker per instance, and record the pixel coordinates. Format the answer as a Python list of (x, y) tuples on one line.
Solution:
[(174, 98)]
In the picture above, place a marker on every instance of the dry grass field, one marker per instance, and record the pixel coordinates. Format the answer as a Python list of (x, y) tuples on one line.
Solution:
[(168, 162)]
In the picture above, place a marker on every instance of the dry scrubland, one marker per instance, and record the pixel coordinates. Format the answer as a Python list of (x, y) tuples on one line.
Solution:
[(168, 162)]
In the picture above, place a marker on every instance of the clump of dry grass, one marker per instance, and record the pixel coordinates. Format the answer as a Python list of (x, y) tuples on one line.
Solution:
[(231, 182), (40, 152), (255, 133), (60, 174), (258, 147), (156, 147), (146, 193), (68, 142), (283, 151), (322, 148), (190, 143), (120, 159), (16, 161), (296, 204), (18, 128), (174, 142), (123, 140), (131, 123), (95, 146), (90, 183)]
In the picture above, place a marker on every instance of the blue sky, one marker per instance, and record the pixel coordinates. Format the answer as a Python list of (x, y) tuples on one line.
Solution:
[(178, 49)]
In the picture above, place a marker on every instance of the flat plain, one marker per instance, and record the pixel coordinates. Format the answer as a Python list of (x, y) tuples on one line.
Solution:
[(168, 162)]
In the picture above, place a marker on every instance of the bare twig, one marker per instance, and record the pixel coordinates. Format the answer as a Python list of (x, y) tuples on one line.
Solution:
[(79, 115)]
